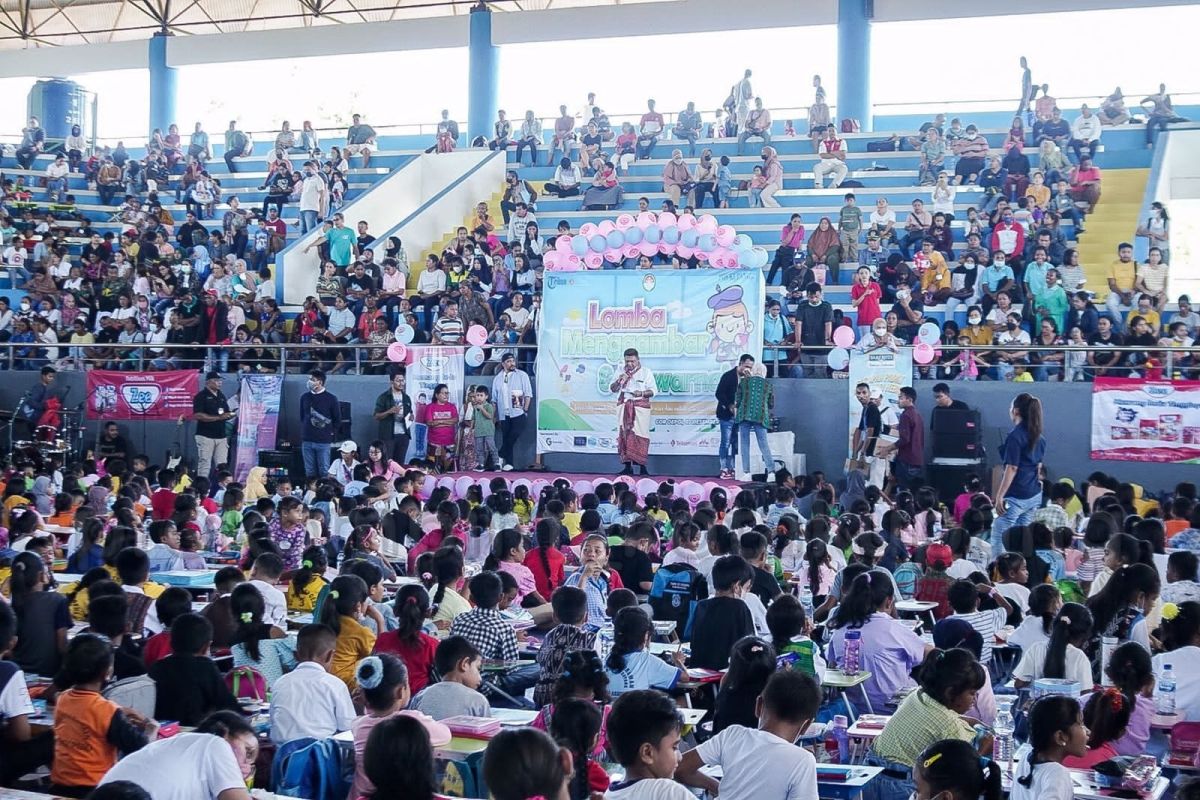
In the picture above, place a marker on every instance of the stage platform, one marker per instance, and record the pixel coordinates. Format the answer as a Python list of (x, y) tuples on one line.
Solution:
[(694, 489)]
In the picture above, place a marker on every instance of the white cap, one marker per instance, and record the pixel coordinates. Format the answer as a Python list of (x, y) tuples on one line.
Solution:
[(349, 447)]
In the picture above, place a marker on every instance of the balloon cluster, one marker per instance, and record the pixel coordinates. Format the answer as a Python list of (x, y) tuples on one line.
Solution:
[(686, 236)]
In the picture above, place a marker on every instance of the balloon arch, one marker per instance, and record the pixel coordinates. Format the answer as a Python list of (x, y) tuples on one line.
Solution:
[(647, 234), (691, 490)]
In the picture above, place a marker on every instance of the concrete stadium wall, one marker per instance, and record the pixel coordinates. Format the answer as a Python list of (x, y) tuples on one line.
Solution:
[(810, 408)]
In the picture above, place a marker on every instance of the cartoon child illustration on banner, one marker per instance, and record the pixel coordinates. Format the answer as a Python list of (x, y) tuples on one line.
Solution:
[(730, 325)]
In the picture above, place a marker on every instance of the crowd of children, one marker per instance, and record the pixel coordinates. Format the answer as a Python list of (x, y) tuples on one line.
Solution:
[(763, 585)]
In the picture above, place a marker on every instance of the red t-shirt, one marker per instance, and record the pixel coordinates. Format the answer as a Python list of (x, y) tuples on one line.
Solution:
[(162, 504), (546, 583), (417, 657), (157, 648), (868, 309)]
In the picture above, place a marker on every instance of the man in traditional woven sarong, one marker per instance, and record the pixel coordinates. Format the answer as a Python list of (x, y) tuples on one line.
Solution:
[(634, 387)]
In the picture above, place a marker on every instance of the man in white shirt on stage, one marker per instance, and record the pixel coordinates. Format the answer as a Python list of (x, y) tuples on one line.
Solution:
[(634, 387)]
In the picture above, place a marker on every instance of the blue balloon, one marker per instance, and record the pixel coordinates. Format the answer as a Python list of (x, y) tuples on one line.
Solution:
[(653, 234), (745, 255), (743, 240), (615, 240), (671, 235), (579, 246), (707, 243), (598, 244), (634, 235), (689, 238)]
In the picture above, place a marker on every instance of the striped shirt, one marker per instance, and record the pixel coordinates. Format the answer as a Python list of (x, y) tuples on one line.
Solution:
[(987, 623), (448, 331)]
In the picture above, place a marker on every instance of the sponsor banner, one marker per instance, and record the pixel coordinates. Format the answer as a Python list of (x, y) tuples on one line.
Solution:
[(1142, 420), (258, 420), (688, 326), (141, 395)]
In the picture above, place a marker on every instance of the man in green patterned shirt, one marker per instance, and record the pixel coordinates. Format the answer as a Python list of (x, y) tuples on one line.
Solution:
[(752, 413)]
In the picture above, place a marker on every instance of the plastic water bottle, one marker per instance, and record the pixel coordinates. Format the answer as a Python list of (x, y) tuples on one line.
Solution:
[(852, 657), (1164, 694), (1107, 645), (1002, 744), (604, 642), (806, 600), (841, 734)]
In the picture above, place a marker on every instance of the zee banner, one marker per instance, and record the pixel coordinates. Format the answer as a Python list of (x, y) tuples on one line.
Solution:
[(689, 327), (141, 395)]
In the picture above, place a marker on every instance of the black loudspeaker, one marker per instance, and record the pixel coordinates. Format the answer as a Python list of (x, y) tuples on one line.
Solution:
[(961, 422), (948, 479), (950, 445), (344, 428)]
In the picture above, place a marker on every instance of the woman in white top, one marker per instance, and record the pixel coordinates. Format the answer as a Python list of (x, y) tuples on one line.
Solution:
[(1062, 656), (1056, 730), (942, 195)]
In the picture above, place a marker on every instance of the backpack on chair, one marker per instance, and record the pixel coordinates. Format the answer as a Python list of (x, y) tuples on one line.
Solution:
[(247, 682), (139, 693)]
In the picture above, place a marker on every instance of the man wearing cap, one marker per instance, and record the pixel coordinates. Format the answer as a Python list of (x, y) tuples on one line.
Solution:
[(210, 408), (320, 416), (513, 393), (634, 387), (342, 470)]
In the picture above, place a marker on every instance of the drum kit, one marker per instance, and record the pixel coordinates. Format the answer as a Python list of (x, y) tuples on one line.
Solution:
[(51, 441)]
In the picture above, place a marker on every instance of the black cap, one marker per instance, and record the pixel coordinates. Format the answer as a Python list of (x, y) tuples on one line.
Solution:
[(212, 376)]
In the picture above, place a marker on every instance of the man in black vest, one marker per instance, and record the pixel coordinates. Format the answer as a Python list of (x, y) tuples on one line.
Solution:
[(211, 410), (726, 393)]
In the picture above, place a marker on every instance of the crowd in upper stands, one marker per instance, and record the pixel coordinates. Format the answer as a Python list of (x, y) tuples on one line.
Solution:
[(131, 298)]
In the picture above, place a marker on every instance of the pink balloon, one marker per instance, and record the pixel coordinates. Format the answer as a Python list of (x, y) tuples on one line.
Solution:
[(647, 249), (550, 260), (725, 234), (566, 265), (574, 263), (646, 486), (686, 222), (843, 336), (582, 486), (630, 251), (709, 486), (645, 219), (625, 222), (706, 224), (461, 485), (613, 256), (666, 249), (922, 353), (396, 352), (625, 479), (446, 482), (731, 259), (605, 227), (593, 260), (428, 485), (701, 256), (692, 492), (477, 335), (587, 230), (536, 488), (684, 252), (667, 220)]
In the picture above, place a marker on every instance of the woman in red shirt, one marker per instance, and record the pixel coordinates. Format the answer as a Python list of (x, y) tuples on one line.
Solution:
[(409, 642), (545, 561)]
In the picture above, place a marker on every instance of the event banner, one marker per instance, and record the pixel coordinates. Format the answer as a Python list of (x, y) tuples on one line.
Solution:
[(258, 420), (689, 327), (429, 366), (1140, 420), (141, 395), (881, 368)]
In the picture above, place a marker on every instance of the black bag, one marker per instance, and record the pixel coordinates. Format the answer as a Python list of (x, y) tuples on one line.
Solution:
[(883, 146)]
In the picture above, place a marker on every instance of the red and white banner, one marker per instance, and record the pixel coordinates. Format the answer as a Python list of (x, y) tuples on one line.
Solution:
[(141, 395), (1141, 420)]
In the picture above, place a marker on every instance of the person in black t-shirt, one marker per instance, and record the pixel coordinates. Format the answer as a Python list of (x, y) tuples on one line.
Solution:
[(754, 550), (630, 559), (211, 410), (189, 685), (862, 443), (721, 620)]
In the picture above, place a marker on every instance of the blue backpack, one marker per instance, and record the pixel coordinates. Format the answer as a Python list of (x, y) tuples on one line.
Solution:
[(676, 590), (314, 772)]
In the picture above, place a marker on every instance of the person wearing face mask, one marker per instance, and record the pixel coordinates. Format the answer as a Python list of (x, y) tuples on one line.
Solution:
[(1011, 336), (215, 762), (677, 178), (321, 416), (971, 150), (879, 338), (997, 278)]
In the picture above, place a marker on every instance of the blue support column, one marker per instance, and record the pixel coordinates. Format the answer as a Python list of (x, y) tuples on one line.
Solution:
[(482, 75), (854, 62), (162, 84)]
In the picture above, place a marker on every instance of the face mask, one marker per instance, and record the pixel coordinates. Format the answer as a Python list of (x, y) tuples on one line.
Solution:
[(143, 305), (814, 301), (998, 262), (186, 268), (974, 320), (764, 158), (1012, 326), (24, 306)]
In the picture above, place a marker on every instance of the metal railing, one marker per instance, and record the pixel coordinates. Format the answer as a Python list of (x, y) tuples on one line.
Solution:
[(298, 357)]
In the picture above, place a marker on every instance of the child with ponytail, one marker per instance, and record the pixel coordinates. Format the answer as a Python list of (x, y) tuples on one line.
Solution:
[(345, 606), (444, 578), (816, 571), (308, 581), (1045, 601), (385, 685), (575, 725), (1062, 655), (1131, 672), (256, 643), (1056, 731), (1106, 716), (545, 561), (1119, 609), (409, 641), (953, 766), (479, 537), (630, 665), (523, 763), (508, 555)]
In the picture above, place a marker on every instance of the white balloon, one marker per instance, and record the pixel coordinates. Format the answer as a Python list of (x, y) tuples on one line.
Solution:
[(474, 356), (405, 333)]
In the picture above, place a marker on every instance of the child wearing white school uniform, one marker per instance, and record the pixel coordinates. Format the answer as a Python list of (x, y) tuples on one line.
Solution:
[(1056, 731), (1045, 601)]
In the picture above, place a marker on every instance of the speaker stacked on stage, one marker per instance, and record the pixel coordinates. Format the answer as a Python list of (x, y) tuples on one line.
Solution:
[(957, 443)]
